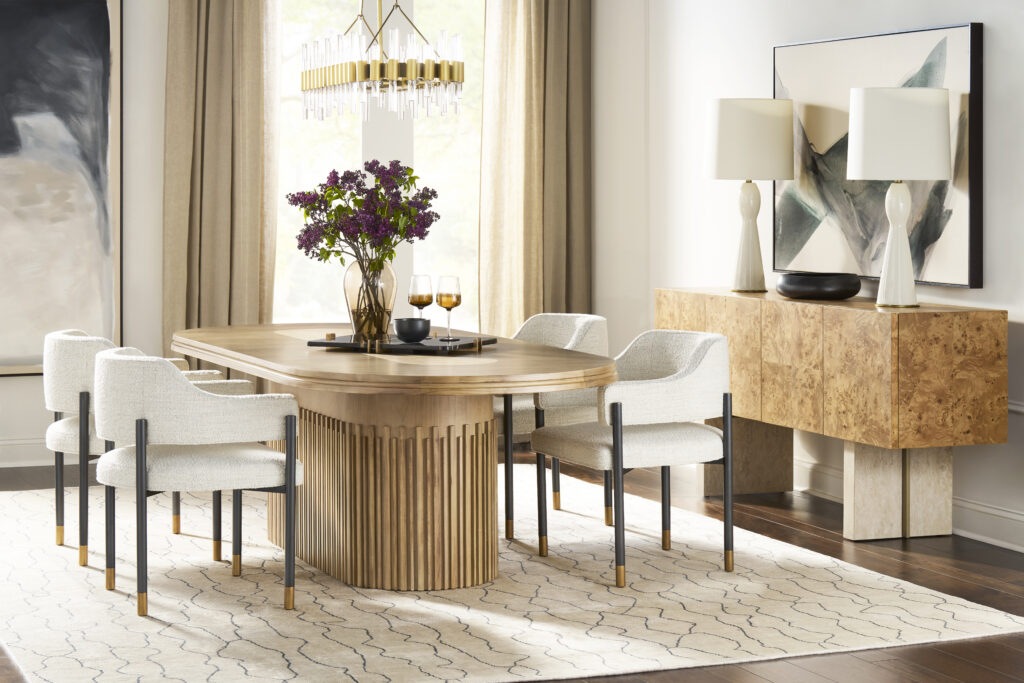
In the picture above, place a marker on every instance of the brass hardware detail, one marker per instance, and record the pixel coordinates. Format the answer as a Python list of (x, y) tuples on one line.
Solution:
[(236, 565), (289, 597), (543, 546), (109, 579), (608, 520), (556, 500), (175, 524), (728, 560), (60, 535), (143, 604), (83, 555), (666, 539), (216, 551), (620, 576)]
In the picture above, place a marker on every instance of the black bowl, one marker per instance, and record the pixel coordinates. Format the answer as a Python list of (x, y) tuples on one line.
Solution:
[(412, 330), (829, 286)]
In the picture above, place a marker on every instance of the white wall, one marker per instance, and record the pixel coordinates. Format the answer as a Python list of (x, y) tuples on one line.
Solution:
[(23, 419), (699, 50)]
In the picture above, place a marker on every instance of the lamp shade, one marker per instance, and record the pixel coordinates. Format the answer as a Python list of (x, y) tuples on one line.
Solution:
[(752, 138), (898, 134)]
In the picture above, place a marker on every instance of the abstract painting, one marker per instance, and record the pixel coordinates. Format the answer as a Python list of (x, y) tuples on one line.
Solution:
[(826, 223), (60, 180)]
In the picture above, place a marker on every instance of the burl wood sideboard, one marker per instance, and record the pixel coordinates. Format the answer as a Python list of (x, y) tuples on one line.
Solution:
[(900, 387)]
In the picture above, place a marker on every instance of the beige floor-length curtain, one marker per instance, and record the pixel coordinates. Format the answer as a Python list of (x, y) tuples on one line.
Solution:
[(218, 231), (535, 177)]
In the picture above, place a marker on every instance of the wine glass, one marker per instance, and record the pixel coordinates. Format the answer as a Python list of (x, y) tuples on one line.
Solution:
[(448, 297), (420, 293)]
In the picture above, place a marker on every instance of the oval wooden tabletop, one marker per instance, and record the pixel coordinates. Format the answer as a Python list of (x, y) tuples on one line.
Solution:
[(279, 353)]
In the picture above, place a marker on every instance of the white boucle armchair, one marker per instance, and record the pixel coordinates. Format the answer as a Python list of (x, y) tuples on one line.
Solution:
[(518, 415), (188, 439), (670, 382), (68, 361)]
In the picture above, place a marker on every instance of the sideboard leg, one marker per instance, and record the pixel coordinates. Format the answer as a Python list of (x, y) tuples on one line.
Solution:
[(872, 492), (927, 491)]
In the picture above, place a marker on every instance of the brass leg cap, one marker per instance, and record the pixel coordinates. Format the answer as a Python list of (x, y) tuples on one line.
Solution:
[(508, 529), (666, 539), (216, 551), (143, 604), (60, 535), (608, 517), (83, 555), (236, 565), (110, 579), (289, 597), (728, 560), (175, 524), (556, 500), (620, 576), (543, 546)]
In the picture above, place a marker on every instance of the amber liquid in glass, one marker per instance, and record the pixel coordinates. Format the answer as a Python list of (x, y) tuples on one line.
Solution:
[(421, 301), (449, 301)]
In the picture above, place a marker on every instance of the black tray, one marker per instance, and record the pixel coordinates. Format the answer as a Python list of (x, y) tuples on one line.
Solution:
[(429, 346)]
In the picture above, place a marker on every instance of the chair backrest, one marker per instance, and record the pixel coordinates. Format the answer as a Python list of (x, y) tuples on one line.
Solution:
[(572, 331), (131, 386), (687, 373), (68, 362)]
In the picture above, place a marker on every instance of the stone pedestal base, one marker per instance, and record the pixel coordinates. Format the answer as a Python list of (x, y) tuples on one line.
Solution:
[(889, 493)]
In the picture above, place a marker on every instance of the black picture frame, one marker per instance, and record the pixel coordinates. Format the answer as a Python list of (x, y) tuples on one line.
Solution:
[(971, 167)]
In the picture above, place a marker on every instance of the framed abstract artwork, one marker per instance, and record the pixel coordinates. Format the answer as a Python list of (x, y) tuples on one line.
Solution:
[(60, 174), (826, 223)]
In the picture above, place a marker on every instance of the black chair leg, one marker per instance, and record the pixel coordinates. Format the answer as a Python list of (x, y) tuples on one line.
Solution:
[(108, 505), (608, 498), (141, 493), (58, 491), (509, 531), (290, 430), (556, 485), (727, 477), (236, 533), (83, 478), (216, 525), (176, 512), (542, 506), (666, 508), (620, 519)]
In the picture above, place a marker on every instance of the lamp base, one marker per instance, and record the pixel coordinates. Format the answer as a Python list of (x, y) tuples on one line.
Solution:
[(749, 268), (896, 284)]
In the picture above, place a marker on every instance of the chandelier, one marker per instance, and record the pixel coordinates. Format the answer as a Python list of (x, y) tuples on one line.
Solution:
[(354, 69)]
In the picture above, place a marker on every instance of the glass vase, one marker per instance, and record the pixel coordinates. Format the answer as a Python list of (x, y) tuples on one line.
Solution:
[(370, 298)]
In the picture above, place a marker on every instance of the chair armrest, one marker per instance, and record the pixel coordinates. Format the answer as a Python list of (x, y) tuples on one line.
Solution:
[(200, 375), (577, 398), (226, 387), (179, 363)]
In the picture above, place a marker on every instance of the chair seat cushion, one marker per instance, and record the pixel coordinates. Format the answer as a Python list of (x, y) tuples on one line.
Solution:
[(590, 444), (198, 468), (524, 418), (62, 437)]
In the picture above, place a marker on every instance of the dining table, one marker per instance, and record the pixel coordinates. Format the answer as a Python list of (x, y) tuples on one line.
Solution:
[(399, 451)]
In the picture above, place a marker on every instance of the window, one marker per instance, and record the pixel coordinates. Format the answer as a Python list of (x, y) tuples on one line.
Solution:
[(445, 155), (447, 158), (306, 290)]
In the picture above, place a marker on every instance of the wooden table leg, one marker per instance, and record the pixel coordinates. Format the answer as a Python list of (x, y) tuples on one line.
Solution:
[(398, 492)]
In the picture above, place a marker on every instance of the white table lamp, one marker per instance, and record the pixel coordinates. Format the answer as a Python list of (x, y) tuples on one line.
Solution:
[(753, 140), (898, 134)]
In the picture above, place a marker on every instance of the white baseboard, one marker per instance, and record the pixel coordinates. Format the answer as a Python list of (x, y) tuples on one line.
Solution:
[(823, 481), (992, 524), (24, 453)]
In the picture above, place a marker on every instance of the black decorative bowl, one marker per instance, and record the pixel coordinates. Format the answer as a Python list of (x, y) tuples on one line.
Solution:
[(830, 286), (412, 330)]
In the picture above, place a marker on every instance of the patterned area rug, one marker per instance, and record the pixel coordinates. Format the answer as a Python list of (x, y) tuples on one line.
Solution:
[(560, 616)]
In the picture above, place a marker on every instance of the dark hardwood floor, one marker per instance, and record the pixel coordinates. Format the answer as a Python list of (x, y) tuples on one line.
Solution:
[(958, 566)]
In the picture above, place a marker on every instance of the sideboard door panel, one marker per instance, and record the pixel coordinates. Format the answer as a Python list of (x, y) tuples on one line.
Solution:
[(952, 378), (859, 363), (791, 376), (740, 321)]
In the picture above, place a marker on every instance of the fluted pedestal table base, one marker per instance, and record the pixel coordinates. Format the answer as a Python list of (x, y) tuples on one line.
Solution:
[(399, 491)]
